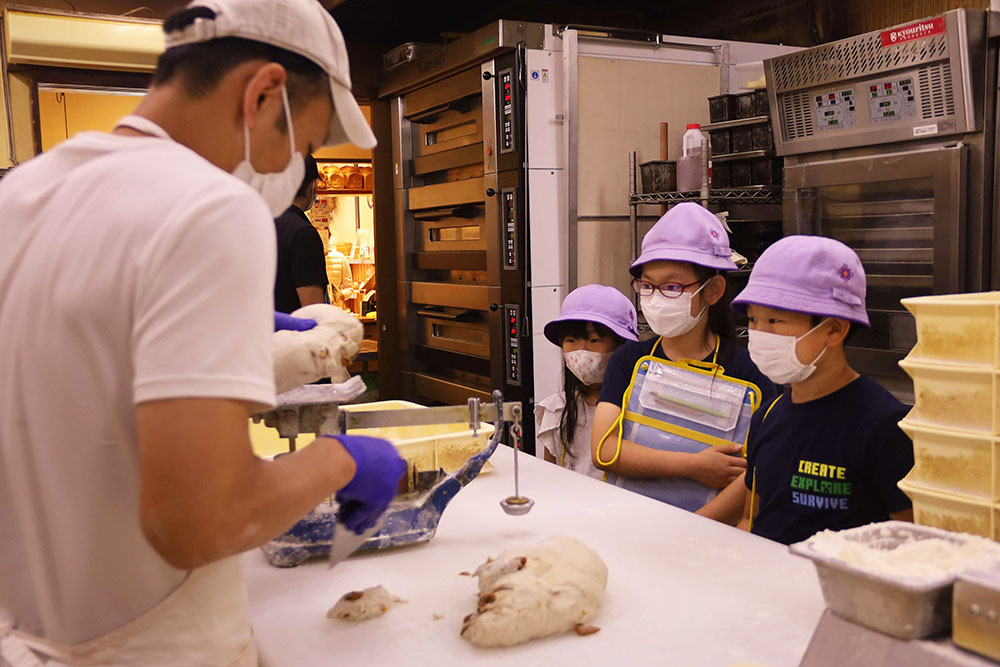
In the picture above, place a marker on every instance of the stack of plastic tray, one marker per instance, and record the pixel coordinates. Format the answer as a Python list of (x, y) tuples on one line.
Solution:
[(955, 421)]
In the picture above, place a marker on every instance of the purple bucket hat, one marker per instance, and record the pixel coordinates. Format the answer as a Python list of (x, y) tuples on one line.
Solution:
[(596, 303), (815, 275), (687, 233)]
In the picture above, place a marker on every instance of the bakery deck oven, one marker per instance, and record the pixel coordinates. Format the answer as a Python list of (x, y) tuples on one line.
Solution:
[(459, 155), (888, 145)]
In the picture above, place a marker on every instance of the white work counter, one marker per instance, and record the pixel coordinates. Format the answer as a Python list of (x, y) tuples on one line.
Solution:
[(682, 590)]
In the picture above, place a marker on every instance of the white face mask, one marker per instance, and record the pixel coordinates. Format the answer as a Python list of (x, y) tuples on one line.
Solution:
[(775, 356), (670, 316), (278, 189), (587, 366)]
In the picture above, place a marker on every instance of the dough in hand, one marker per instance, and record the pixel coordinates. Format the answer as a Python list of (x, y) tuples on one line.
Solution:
[(359, 605), (539, 591), (301, 357)]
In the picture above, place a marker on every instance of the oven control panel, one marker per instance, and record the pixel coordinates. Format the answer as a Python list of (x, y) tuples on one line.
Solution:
[(508, 211), (506, 111), (887, 100), (836, 110), (512, 315), (891, 100)]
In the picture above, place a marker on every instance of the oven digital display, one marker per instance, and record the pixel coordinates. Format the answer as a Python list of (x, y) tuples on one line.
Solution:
[(835, 110), (512, 315), (509, 222), (506, 79), (891, 100)]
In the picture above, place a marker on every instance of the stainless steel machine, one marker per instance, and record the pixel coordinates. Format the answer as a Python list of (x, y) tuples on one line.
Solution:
[(888, 141)]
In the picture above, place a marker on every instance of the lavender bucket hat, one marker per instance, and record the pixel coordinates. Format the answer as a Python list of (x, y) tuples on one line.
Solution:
[(596, 303), (815, 275), (687, 232)]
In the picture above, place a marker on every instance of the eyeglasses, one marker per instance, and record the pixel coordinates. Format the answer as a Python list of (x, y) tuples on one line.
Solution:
[(670, 290)]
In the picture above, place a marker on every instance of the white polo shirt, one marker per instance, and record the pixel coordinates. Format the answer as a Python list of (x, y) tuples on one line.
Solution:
[(131, 269)]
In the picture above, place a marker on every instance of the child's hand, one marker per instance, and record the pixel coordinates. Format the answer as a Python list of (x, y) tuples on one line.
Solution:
[(716, 467)]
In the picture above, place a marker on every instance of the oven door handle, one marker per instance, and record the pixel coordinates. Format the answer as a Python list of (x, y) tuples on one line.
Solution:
[(464, 316), (432, 115)]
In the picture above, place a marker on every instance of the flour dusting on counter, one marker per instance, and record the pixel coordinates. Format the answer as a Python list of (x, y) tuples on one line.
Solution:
[(926, 558)]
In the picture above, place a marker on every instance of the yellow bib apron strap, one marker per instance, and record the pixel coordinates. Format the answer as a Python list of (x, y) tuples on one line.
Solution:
[(753, 483)]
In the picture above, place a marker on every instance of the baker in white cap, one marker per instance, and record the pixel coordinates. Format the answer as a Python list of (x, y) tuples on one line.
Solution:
[(136, 310)]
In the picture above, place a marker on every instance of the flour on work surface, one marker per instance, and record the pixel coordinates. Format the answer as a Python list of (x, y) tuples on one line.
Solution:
[(301, 357), (359, 605), (531, 592), (928, 558)]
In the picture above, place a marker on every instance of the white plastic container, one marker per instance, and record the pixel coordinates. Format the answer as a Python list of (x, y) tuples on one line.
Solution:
[(957, 328), (955, 461), (955, 396), (689, 164)]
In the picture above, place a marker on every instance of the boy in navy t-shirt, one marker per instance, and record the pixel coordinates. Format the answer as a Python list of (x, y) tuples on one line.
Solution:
[(827, 453)]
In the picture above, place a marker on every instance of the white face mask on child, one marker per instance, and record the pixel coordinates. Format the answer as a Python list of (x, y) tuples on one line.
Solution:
[(671, 316), (774, 355), (587, 366)]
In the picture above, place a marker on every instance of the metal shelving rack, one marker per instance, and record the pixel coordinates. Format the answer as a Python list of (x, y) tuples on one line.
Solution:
[(754, 194)]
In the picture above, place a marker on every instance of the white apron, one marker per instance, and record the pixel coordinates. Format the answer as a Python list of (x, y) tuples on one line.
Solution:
[(204, 621)]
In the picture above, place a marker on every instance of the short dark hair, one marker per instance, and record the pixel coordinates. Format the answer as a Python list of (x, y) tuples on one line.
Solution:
[(200, 66), (312, 174)]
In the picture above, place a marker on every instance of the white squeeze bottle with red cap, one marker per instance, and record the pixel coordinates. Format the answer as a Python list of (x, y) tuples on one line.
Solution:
[(689, 164)]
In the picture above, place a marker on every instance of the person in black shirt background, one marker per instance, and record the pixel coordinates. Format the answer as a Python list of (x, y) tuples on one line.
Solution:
[(300, 279)]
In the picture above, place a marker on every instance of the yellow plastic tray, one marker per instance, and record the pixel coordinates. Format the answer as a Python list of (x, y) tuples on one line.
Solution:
[(957, 328), (958, 513), (431, 447), (955, 461), (954, 396)]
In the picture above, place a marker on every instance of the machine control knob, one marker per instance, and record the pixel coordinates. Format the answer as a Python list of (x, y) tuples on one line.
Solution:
[(490, 192), (494, 307), (487, 75)]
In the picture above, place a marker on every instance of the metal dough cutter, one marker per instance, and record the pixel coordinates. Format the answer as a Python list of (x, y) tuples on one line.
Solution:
[(413, 517)]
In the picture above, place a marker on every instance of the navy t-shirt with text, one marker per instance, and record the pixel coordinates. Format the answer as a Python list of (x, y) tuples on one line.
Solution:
[(831, 463)]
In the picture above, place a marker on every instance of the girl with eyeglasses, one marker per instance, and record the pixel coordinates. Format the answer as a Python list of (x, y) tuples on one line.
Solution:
[(681, 283)]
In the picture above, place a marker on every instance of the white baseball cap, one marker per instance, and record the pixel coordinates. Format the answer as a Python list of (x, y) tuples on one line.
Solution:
[(303, 27)]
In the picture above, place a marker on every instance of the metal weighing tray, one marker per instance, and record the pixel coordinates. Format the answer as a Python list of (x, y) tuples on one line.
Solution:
[(903, 607)]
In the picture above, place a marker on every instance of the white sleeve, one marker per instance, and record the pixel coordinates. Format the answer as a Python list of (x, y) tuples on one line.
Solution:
[(203, 308)]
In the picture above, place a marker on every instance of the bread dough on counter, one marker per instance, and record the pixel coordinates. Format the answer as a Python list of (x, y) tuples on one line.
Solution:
[(301, 357), (531, 592), (359, 605)]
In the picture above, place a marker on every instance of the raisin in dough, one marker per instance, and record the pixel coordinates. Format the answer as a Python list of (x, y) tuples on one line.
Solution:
[(537, 591), (301, 357), (359, 605)]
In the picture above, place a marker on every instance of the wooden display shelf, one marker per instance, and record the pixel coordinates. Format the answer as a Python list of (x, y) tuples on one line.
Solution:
[(331, 191)]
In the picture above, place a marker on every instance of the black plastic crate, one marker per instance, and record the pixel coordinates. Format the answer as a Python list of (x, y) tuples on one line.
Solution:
[(722, 107), (752, 237), (740, 174), (766, 171), (745, 105), (721, 175), (763, 139), (741, 139), (720, 142), (760, 103), (658, 176)]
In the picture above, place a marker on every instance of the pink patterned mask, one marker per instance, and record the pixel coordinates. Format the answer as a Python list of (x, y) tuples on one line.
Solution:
[(587, 366)]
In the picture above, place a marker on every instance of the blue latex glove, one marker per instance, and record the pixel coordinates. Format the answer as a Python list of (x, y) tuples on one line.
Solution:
[(286, 321), (374, 485)]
